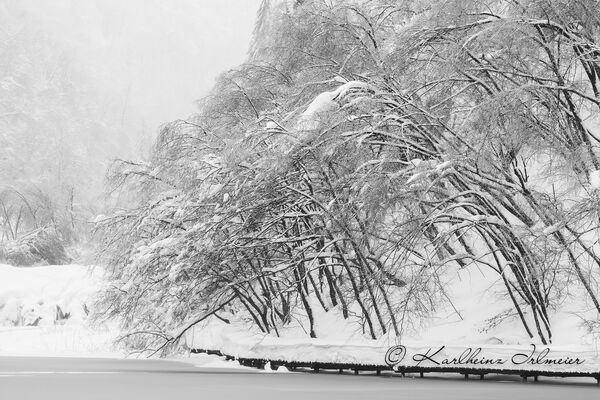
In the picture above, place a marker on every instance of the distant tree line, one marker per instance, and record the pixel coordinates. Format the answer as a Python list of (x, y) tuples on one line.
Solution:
[(54, 142)]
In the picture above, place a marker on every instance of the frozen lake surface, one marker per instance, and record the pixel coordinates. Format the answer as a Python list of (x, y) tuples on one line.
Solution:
[(80, 378)]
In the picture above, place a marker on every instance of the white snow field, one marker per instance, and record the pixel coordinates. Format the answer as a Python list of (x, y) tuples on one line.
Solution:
[(44, 312), (30, 326), (463, 323)]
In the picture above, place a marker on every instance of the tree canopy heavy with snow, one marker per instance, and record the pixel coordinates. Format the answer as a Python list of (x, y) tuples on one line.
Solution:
[(365, 152)]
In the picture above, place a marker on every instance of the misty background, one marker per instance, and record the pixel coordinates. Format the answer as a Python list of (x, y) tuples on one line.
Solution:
[(85, 82), (152, 58)]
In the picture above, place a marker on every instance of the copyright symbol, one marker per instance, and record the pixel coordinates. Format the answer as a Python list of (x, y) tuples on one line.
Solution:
[(394, 355)]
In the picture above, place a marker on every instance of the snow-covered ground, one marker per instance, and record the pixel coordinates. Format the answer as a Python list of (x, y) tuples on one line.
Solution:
[(30, 325), (464, 323), (202, 360), (44, 312)]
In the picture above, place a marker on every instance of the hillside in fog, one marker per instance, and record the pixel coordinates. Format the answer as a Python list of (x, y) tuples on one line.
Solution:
[(85, 82)]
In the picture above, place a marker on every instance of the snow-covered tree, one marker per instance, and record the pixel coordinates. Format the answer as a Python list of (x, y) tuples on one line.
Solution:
[(366, 152), (54, 139)]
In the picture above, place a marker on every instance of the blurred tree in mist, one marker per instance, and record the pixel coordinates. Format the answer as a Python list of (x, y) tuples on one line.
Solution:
[(84, 82), (54, 141)]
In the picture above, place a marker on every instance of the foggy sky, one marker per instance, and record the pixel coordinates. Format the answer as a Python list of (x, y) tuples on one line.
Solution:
[(150, 58)]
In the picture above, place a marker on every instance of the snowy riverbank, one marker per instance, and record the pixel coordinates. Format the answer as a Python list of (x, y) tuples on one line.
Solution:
[(31, 324), (44, 312), (457, 329)]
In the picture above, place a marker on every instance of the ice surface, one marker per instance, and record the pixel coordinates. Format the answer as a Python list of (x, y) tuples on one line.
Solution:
[(37, 378)]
